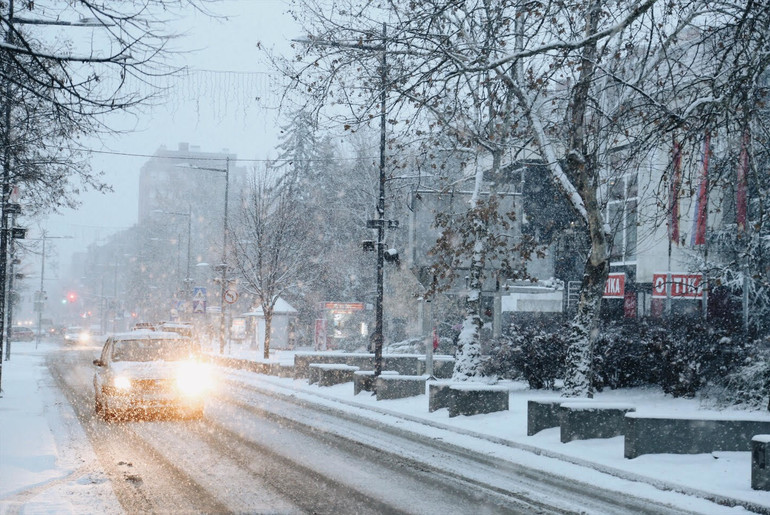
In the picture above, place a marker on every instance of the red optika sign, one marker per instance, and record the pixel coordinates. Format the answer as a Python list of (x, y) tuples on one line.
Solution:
[(683, 286), (615, 287)]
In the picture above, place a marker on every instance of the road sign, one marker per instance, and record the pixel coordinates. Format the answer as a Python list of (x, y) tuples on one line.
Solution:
[(231, 296), (199, 307), (199, 293)]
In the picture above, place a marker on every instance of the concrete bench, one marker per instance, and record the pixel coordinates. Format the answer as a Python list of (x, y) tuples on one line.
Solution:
[(443, 366), (475, 399), (302, 361), (404, 364), (544, 413), (438, 395), (688, 435), (329, 374), (760, 462), (240, 364), (399, 386), (587, 420), (281, 369), (363, 380)]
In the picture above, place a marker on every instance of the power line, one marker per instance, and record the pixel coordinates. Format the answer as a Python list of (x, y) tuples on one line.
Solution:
[(240, 160)]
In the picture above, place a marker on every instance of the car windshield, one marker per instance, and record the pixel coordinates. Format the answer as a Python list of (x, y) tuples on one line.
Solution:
[(152, 350)]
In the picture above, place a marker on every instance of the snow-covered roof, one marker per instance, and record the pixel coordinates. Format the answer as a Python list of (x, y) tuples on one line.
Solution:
[(281, 308)]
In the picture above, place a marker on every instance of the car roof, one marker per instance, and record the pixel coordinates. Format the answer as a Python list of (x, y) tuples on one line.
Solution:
[(146, 334)]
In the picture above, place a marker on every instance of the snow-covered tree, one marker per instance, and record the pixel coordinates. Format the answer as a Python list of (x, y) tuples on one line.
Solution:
[(581, 81)]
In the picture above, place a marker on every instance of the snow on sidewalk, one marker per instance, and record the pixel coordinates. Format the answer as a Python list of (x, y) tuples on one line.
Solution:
[(46, 461)]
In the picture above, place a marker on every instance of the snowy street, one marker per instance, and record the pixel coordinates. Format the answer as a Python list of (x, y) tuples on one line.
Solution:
[(265, 448)]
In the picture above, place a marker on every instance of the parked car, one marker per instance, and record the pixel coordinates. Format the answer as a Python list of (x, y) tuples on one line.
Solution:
[(150, 372), (22, 334)]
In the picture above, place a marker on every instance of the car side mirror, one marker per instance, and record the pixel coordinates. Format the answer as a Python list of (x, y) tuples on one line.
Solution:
[(98, 363)]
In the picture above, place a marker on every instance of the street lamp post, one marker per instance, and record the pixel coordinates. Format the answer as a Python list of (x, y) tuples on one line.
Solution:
[(40, 295), (188, 280), (223, 284)]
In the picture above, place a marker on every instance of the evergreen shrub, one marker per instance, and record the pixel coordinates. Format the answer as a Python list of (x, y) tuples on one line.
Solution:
[(528, 353)]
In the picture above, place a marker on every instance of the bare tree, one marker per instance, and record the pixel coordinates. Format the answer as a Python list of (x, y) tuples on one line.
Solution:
[(270, 243)]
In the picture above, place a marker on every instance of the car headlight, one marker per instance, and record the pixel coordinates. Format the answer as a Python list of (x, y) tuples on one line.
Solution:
[(122, 383), (192, 378)]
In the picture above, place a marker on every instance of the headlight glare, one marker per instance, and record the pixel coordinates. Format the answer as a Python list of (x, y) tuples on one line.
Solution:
[(122, 383), (192, 378)]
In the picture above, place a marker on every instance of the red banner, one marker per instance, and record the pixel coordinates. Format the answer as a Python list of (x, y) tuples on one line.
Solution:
[(673, 194), (344, 307), (683, 286), (701, 202), (742, 182), (615, 287)]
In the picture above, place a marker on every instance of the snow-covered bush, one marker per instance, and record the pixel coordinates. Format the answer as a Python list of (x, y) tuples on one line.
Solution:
[(744, 388), (529, 353), (695, 355), (623, 356), (409, 346)]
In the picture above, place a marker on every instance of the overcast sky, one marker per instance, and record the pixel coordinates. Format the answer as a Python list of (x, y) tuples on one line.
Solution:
[(200, 113)]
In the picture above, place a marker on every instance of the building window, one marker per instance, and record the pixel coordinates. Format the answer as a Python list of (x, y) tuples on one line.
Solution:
[(621, 213)]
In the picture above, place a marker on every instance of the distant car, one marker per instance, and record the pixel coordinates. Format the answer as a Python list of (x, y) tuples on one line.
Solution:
[(172, 327), (150, 326), (22, 334), (76, 335), (150, 372)]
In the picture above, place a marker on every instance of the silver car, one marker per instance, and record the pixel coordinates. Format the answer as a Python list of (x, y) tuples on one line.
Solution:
[(150, 372)]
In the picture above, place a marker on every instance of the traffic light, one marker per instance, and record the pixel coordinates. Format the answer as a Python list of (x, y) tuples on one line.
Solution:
[(71, 297)]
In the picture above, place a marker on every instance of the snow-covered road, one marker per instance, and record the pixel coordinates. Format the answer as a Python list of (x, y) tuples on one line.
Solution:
[(263, 447), (258, 450)]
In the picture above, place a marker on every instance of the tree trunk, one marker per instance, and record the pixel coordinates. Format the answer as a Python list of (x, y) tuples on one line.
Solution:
[(268, 330), (468, 356), (578, 381)]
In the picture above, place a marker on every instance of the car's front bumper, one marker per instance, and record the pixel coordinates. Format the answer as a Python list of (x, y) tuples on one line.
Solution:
[(151, 401)]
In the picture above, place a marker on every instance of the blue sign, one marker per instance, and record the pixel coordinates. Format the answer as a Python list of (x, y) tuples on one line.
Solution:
[(199, 300)]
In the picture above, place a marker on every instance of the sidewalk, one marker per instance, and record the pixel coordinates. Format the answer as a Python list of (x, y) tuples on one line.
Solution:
[(722, 477), (46, 461)]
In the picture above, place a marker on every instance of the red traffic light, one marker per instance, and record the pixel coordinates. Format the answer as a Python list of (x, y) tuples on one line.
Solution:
[(72, 296)]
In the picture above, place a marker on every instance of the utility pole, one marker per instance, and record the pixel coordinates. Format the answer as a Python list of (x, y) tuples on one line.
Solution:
[(6, 185), (378, 329), (40, 295), (223, 285), (11, 278), (223, 278), (380, 223)]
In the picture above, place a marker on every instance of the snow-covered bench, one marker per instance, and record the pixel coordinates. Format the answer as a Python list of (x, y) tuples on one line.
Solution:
[(586, 420), (397, 386), (438, 395), (443, 366), (544, 413), (363, 380), (303, 360), (406, 364), (281, 369), (329, 374), (470, 398), (466, 398), (668, 434), (760, 462)]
